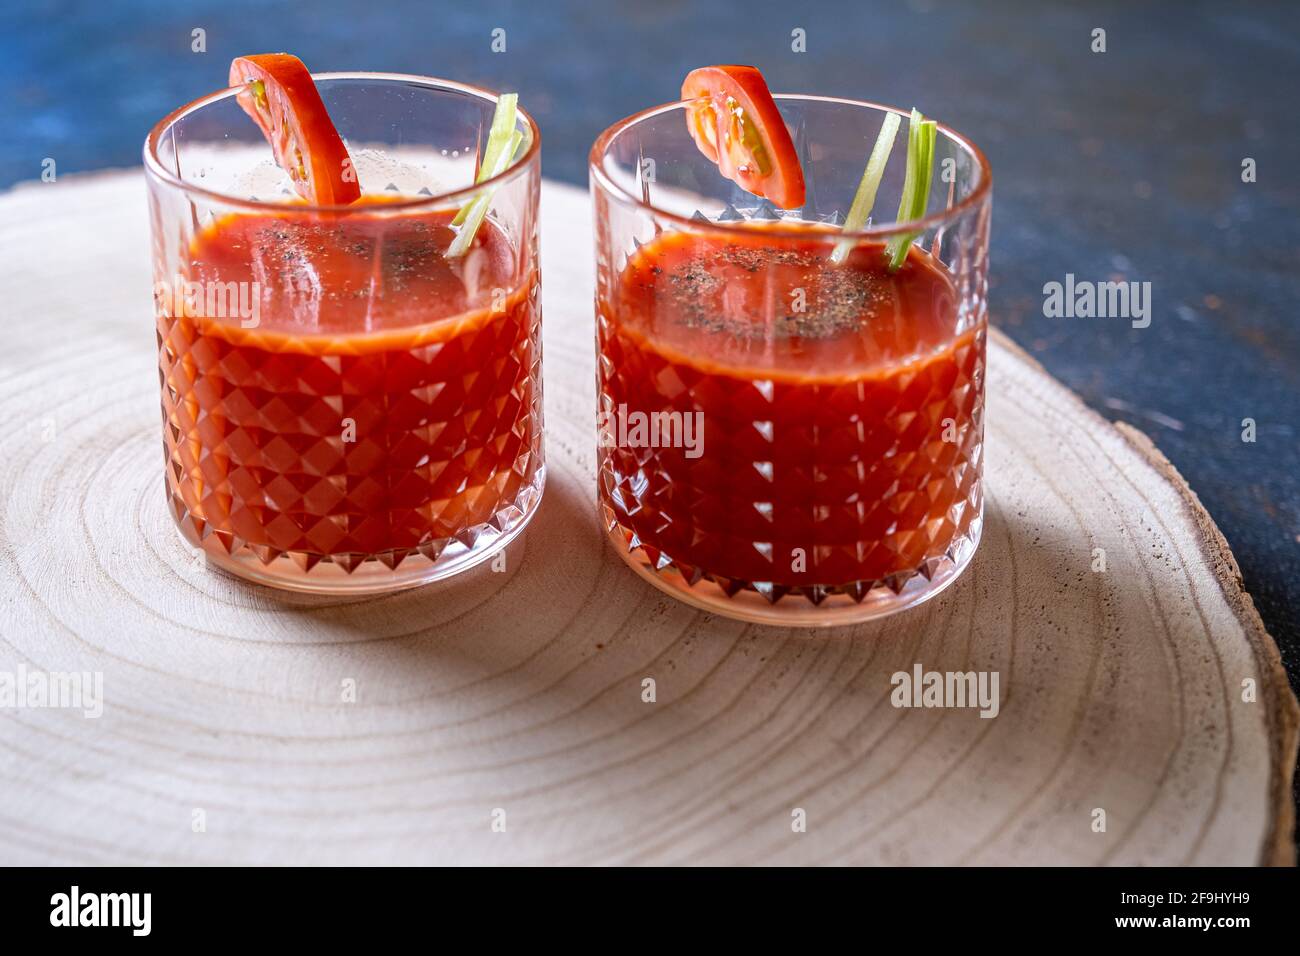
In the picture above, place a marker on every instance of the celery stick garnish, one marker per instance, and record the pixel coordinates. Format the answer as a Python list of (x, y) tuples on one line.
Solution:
[(503, 140), (473, 212), (502, 131), (502, 161), (921, 136), (865, 197)]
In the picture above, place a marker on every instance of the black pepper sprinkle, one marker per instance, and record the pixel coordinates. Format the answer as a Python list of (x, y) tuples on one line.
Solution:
[(838, 300)]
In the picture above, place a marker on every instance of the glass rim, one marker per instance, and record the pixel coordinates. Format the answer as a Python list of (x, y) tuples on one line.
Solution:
[(154, 166), (978, 195)]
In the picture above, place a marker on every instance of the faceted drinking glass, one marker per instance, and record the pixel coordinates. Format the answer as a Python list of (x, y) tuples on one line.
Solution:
[(346, 408), (783, 438)]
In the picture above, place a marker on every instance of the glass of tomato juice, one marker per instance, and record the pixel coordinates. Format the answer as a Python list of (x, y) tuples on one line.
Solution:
[(348, 408), (785, 438)]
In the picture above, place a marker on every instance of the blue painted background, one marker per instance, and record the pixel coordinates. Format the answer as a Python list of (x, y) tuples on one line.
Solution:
[(1121, 164)]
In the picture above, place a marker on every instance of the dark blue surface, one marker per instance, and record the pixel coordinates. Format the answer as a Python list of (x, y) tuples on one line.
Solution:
[(1123, 164)]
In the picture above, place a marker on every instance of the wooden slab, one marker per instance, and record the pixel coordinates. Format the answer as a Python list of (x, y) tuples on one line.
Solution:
[(521, 691)]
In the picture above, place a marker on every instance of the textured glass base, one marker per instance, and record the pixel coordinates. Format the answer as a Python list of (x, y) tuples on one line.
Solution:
[(379, 573), (762, 603)]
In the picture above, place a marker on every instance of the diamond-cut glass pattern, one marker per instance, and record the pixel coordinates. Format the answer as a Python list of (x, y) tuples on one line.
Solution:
[(348, 457), (841, 391), (804, 488)]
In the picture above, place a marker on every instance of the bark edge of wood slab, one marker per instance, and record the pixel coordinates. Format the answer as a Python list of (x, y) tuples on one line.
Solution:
[(1279, 848)]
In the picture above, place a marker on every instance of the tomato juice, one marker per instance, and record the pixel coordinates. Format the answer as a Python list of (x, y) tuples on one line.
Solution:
[(385, 405), (841, 407)]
